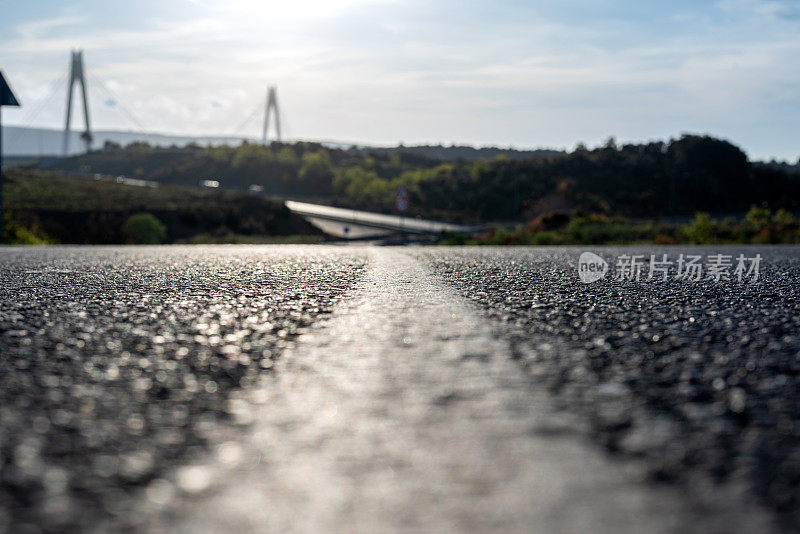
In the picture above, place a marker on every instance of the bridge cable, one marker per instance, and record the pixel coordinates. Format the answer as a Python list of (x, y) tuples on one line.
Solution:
[(42, 103), (246, 122), (96, 79)]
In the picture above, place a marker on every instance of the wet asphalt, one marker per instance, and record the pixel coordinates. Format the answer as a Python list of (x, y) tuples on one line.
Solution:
[(142, 388)]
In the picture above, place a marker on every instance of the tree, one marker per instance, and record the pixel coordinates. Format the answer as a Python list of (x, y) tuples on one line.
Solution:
[(251, 158), (713, 171), (316, 172), (286, 157), (144, 229)]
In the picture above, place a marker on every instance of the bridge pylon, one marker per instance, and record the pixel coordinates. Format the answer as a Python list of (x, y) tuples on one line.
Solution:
[(77, 75), (272, 106)]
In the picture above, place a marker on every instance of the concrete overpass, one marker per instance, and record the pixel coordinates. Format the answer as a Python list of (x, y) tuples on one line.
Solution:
[(354, 224)]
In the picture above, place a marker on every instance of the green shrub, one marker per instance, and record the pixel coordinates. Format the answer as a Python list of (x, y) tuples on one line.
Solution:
[(144, 229), (454, 238), (785, 219), (759, 226), (757, 218), (702, 230), (15, 233)]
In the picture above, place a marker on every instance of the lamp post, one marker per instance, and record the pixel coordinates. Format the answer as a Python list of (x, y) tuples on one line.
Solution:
[(7, 98)]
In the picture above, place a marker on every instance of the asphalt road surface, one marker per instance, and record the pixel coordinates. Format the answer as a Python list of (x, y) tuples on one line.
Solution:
[(356, 389)]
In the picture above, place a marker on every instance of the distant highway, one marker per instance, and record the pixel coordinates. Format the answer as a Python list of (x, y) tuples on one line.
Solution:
[(414, 389), (354, 224)]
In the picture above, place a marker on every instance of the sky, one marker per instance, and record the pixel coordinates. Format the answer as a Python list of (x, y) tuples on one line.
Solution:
[(502, 73)]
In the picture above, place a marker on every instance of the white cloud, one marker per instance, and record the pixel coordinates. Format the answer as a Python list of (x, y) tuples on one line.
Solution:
[(367, 71), (36, 29)]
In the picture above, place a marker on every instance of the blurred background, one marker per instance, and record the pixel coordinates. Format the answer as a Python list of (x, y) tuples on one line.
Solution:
[(513, 117)]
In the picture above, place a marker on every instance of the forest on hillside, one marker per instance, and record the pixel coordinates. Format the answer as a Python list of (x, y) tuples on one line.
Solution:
[(675, 178)]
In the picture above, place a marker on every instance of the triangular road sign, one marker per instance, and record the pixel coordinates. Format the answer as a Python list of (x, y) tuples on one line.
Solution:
[(7, 97)]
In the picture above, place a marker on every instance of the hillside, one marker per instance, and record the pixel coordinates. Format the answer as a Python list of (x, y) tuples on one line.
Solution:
[(467, 153), (69, 208), (664, 179)]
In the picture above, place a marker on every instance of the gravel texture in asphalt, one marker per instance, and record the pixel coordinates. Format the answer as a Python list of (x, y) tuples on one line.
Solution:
[(118, 364), (699, 380), (404, 411), (198, 389)]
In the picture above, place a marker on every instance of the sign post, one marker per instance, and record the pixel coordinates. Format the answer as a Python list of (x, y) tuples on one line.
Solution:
[(7, 98)]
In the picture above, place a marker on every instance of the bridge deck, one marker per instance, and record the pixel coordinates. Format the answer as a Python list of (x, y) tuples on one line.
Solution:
[(395, 223)]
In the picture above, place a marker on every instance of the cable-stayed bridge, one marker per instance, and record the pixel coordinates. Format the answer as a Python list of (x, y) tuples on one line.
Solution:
[(342, 223), (87, 93)]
